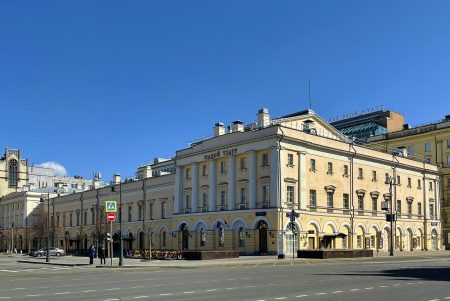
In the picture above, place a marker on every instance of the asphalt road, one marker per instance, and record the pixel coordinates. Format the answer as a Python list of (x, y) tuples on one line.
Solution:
[(384, 279)]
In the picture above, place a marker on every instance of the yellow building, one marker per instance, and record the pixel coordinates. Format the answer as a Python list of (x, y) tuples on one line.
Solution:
[(432, 142), (233, 190)]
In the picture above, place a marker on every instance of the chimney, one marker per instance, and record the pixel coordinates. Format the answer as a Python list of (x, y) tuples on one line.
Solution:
[(219, 129), (116, 179), (237, 126), (263, 118)]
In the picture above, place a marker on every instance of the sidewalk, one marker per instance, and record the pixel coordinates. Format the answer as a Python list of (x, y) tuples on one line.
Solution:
[(243, 260)]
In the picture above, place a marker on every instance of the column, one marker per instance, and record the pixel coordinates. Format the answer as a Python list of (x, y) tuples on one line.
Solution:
[(302, 194), (275, 199), (194, 196), (252, 180), (212, 185), (178, 190), (231, 182)]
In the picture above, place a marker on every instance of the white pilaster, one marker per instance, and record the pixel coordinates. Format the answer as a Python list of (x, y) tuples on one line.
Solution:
[(178, 190), (194, 187), (275, 200), (231, 182), (252, 180), (212, 185)]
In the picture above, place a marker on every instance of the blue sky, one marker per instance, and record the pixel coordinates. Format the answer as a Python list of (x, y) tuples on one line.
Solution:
[(107, 85)]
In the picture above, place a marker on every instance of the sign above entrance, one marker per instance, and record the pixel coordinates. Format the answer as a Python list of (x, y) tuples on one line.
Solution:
[(218, 154), (110, 206)]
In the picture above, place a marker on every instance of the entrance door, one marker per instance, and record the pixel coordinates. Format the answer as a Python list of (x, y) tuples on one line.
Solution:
[(311, 243), (291, 240), (262, 227), (184, 237)]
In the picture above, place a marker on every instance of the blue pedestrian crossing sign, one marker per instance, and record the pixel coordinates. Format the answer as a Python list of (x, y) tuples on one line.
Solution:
[(110, 206), (293, 215)]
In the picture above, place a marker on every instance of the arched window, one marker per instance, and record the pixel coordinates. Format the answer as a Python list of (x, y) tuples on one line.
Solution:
[(12, 178), (202, 237), (164, 239), (241, 242)]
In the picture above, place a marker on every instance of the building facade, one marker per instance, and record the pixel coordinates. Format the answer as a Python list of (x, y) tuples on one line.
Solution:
[(431, 142), (232, 192)]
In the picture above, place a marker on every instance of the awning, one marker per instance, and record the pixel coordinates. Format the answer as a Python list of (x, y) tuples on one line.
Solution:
[(335, 235)]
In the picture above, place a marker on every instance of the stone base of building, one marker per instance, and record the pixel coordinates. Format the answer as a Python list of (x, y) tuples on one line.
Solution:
[(206, 255), (325, 254)]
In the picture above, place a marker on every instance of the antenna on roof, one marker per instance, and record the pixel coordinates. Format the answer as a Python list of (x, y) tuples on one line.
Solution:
[(309, 92)]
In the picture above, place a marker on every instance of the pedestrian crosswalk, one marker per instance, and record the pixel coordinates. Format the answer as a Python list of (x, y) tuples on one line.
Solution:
[(53, 268)]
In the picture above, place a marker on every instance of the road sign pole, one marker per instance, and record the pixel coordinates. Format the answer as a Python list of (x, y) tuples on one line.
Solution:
[(111, 245)]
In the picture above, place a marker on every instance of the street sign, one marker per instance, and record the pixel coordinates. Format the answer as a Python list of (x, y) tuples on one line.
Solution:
[(293, 215), (110, 206), (111, 217), (385, 205)]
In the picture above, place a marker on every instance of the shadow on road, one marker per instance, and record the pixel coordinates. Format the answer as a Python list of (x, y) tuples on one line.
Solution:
[(425, 273)]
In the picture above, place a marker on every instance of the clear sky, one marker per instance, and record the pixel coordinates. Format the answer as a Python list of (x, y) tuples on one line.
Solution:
[(107, 85)]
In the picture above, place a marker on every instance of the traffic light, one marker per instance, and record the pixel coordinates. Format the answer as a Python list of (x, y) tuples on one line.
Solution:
[(108, 236)]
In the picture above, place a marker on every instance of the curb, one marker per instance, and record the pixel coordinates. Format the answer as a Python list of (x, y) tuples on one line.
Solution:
[(52, 263)]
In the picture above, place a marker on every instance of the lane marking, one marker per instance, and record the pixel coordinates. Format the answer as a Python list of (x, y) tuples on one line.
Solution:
[(212, 290), (140, 297), (88, 291), (280, 298), (19, 288), (33, 295), (62, 293), (318, 294), (113, 289), (337, 292), (369, 288), (302, 296), (231, 288), (5, 297), (166, 294), (383, 286), (354, 290), (190, 292), (137, 286), (250, 286), (398, 284), (112, 300)]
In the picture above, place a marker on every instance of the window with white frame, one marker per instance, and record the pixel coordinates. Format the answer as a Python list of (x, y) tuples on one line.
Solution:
[(346, 201), (223, 197), (360, 173), (374, 176), (205, 199), (410, 149), (290, 160), (427, 147), (419, 208), (312, 198), (243, 195), (187, 203), (290, 194), (329, 199), (345, 170), (241, 241), (188, 170), (265, 193), (312, 165), (243, 163), (265, 159), (222, 167), (360, 202), (330, 168), (12, 173)]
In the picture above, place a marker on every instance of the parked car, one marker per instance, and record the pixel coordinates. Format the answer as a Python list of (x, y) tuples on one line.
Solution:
[(53, 252)]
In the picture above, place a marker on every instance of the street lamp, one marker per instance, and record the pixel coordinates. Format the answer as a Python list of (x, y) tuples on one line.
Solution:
[(47, 256), (391, 216), (120, 222)]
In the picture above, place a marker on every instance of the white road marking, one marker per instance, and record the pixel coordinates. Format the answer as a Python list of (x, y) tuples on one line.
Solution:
[(447, 298), (112, 300), (62, 293), (165, 294), (140, 297), (113, 289), (369, 288), (434, 300), (212, 290), (5, 297), (398, 284), (250, 286), (33, 295), (383, 286), (88, 291), (158, 285), (301, 296), (318, 294), (354, 290), (137, 286), (231, 288), (190, 292), (280, 298), (337, 292), (19, 288)]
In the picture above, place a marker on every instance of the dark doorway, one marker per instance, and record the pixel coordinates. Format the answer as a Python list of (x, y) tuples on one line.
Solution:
[(141, 240), (184, 237), (262, 229)]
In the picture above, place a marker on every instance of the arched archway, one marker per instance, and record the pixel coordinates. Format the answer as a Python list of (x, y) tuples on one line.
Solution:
[(409, 241), (262, 229), (291, 239), (360, 237), (434, 240), (141, 240), (313, 235), (184, 236), (399, 243)]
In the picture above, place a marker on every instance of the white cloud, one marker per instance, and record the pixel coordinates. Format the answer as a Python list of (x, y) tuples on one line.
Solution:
[(58, 168)]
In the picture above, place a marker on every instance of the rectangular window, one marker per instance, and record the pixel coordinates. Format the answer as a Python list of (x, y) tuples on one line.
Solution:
[(410, 150), (398, 181), (70, 219), (222, 167), (419, 208), (419, 184), (265, 193), (330, 168), (432, 215), (345, 170), (57, 220), (312, 165), (205, 199), (346, 201), (448, 143), (409, 182), (85, 218), (399, 206), (329, 199), (360, 174), (312, 198), (290, 194), (187, 204), (150, 211), (78, 218), (223, 197), (374, 204), (163, 210), (409, 208), (52, 221), (290, 160), (130, 211), (431, 186), (448, 184), (243, 195), (265, 160), (448, 159), (188, 170), (140, 211), (204, 170), (386, 178), (374, 176), (427, 147), (92, 216), (360, 203), (243, 163)]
